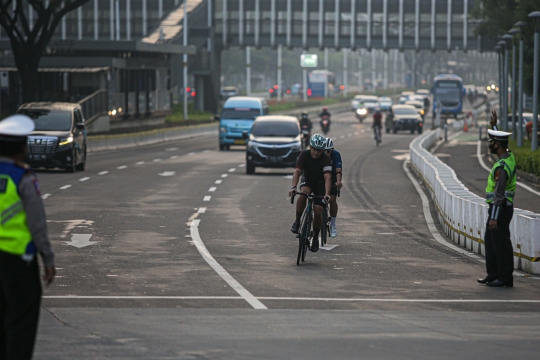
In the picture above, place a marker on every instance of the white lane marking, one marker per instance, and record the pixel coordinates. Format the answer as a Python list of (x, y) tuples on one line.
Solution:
[(44, 196), (242, 165), (103, 173), (356, 133), (80, 240), (202, 210), (342, 137), (191, 154), (429, 219), (328, 247), (207, 198), (288, 177), (218, 182), (65, 187), (349, 135), (84, 179), (232, 169), (174, 157), (252, 300), (139, 163), (212, 189), (224, 175), (165, 297), (483, 164), (386, 233), (122, 167), (363, 131), (206, 151), (167, 173), (112, 275), (157, 160), (171, 149)]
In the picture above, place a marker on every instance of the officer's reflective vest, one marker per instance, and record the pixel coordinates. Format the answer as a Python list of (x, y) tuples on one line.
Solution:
[(15, 236), (509, 165)]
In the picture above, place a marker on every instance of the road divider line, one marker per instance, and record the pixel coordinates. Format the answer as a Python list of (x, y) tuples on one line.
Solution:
[(191, 154), (202, 210), (207, 198), (483, 164), (224, 175), (139, 163), (65, 187), (135, 297), (122, 167), (252, 300), (218, 182), (212, 189), (103, 173), (174, 157), (242, 165), (45, 196), (84, 179), (232, 170), (157, 160)]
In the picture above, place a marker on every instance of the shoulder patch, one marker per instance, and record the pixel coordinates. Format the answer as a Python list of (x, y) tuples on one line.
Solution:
[(3, 185)]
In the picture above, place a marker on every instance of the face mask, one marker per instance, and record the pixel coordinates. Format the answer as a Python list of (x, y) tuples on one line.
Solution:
[(492, 149)]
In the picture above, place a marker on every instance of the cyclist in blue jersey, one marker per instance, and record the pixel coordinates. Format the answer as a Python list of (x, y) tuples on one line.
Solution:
[(337, 166)]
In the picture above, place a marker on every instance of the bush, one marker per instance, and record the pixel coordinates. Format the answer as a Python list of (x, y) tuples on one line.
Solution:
[(526, 160), (177, 114)]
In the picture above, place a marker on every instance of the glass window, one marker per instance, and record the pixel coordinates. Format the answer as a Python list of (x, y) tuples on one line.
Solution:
[(240, 113), (405, 111), (278, 129), (49, 120)]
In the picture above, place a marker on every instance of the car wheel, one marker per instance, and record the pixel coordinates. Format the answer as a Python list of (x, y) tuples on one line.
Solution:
[(387, 130), (81, 166), (250, 168), (71, 168), (412, 131)]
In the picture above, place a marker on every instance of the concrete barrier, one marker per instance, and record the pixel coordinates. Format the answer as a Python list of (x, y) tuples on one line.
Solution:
[(463, 214)]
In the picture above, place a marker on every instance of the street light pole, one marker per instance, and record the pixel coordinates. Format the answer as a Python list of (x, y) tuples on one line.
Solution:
[(520, 24), (504, 85), (512, 32), (534, 144), (499, 59), (185, 61)]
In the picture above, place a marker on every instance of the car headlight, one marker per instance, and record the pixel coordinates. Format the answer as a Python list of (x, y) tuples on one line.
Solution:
[(422, 112), (252, 145), (65, 140), (222, 129), (296, 145)]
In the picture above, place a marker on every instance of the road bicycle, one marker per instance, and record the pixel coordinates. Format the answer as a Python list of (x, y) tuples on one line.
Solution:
[(377, 135), (305, 231), (325, 231)]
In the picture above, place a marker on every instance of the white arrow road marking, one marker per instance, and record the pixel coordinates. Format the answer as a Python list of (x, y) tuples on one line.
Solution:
[(252, 300), (207, 198), (328, 247), (84, 179), (167, 173), (80, 240), (122, 167), (212, 189), (65, 187), (219, 181), (103, 173), (45, 196)]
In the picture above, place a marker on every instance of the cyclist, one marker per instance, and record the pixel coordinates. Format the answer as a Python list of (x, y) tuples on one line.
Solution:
[(316, 167), (377, 122), (337, 166)]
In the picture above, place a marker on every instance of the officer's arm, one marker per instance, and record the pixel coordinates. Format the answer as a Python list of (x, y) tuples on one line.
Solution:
[(35, 213), (500, 199)]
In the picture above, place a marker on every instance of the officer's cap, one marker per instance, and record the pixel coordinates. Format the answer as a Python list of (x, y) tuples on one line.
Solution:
[(498, 135), (16, 128)]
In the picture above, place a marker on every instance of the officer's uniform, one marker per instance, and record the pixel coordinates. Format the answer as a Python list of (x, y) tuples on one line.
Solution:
[(500, 193), (23, 234)]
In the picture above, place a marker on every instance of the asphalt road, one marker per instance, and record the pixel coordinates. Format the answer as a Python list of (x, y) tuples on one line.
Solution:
[(193, 259)]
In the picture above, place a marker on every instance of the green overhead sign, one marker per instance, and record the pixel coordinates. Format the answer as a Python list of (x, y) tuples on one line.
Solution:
[(308, 60)]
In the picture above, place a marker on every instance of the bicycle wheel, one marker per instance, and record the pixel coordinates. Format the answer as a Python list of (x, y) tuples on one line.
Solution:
[(303, 238), (307, 234)]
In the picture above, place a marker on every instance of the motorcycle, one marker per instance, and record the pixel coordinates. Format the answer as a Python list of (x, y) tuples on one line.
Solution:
[(325, 124), (305, 137), (361, 114)]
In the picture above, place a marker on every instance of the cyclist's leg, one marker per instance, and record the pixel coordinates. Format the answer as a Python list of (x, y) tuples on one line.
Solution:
[(302, 200)]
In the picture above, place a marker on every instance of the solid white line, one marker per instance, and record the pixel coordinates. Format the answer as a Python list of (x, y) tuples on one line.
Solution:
[(429, 219), (483, 164), (84, 179), (212, 189), (145, 297), (252, 300), (232, 170), (219, 181), (65, 187), (122, 167), (103, 173), (45, 196), (207, 198), (224, 175), (202, 210)]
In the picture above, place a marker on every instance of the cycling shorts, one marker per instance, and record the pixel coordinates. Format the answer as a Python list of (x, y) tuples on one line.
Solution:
[(317, 189)]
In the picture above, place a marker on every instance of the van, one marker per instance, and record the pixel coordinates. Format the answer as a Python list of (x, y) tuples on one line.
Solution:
[(237, 116)]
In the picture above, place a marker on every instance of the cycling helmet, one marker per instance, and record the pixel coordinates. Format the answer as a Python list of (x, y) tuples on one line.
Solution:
[(329, 144), (318, 141)]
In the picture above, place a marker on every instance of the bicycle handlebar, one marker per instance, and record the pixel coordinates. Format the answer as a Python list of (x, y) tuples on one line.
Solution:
[(309, 196)]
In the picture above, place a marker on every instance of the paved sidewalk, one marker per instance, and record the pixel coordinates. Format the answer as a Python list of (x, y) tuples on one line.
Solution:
[(460, 153)]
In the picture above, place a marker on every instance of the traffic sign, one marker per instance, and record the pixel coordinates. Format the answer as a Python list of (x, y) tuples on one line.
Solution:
[(308, 60)]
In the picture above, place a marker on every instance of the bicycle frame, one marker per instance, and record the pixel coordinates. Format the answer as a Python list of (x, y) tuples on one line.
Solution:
[(305, 230)]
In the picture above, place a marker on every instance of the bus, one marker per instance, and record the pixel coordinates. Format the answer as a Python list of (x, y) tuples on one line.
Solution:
[(449, 91), (317, 79)]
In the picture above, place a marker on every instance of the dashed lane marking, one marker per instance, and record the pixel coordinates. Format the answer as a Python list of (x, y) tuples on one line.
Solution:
[(122, 167), (65, 187), (191, 154), (207, 198), (242, 165), (84, 179), (171, 149), (356, 133), (103, 173), (342, 137), (139, 163), (44, 196), (232, 170), (174, 157), (224, 175), (212, 189), (349, 135), (218, 182), (202, 210), (157, 160), (252, 300)]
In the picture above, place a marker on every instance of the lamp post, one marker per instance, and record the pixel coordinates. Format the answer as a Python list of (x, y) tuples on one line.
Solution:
[(499, 58), (520, 24), (512, 32), (536, 16), (504, 85)]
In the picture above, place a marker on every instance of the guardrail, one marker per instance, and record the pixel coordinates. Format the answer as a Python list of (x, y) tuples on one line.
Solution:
[(95, 105), (463, 214)]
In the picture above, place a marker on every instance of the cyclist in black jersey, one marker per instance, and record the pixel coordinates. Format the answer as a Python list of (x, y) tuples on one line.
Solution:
[(316, 168)]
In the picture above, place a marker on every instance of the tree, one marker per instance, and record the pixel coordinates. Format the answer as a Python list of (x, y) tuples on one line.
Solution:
[(29, 41)]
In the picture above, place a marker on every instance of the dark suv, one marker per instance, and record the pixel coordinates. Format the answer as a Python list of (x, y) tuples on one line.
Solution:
[(274, 142), (59, 138), (403, 117)]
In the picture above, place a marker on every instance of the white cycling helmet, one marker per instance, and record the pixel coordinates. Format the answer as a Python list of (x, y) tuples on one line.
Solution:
[(329, 144), (318, 141)]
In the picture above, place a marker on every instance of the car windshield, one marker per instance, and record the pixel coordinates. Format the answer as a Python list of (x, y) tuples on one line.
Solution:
[(405, 111), (275, 129), (49, 120), (370, 100), (240, 113)]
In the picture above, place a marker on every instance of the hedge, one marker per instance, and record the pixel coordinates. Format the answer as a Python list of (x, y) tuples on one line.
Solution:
[(526, 160)]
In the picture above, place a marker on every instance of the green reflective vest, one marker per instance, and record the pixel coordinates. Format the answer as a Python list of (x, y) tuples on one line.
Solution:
[(509, 165), (15, 236)]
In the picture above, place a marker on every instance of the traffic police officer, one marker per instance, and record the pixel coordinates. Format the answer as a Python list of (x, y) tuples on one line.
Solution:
[(500, 193), (23, 234)]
